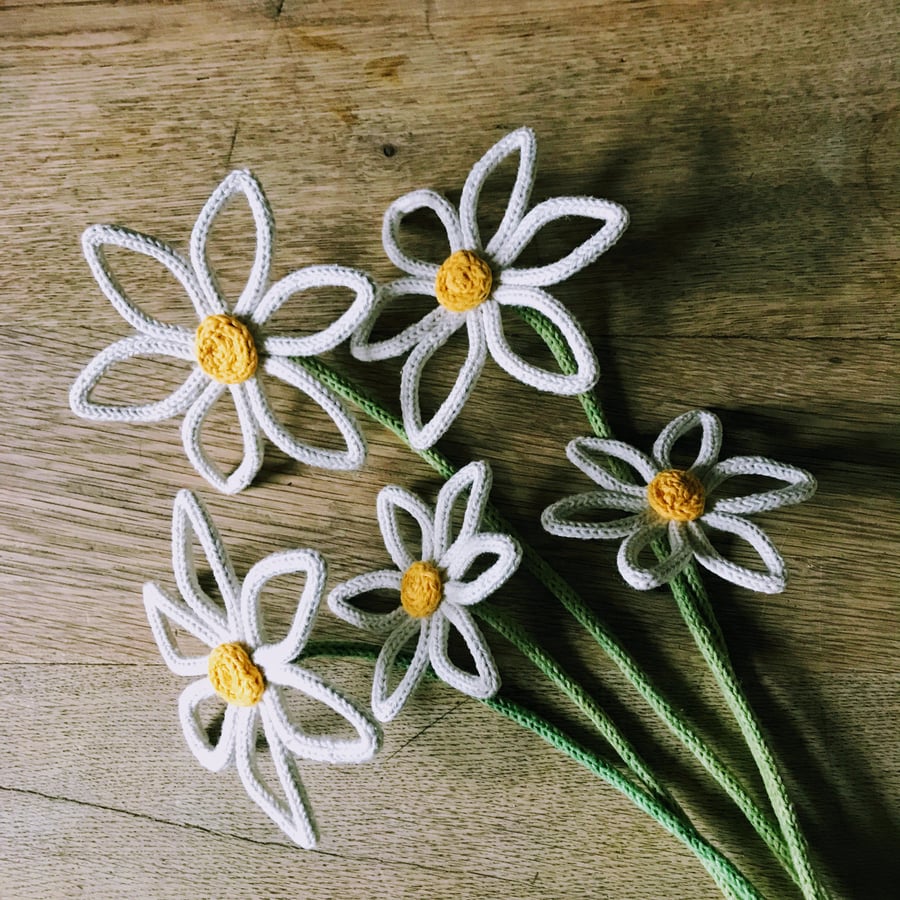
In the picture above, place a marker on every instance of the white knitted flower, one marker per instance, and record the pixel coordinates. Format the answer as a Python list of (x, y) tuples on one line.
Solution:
[(248, 670), (229, 345), (433, 587), (680, 504), (477, 283)]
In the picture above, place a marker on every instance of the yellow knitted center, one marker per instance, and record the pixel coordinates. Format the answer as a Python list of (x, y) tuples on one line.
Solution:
[(234, 676), (421, 589), (463, 281), (225, 349), (676, 495)]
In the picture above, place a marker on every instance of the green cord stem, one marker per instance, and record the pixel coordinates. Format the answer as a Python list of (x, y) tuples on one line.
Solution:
[(579, 696), (573, 603), (731, 881), (698, 614)]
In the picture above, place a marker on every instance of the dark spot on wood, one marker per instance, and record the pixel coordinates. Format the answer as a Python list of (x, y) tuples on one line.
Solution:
[(388, 150), (386, 67)]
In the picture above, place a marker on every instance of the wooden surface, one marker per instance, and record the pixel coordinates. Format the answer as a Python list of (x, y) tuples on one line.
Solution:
[(755, 146)]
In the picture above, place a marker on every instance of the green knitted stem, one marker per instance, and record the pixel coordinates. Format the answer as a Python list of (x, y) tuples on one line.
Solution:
[(697, 612), (573, 603), (580, 697), (731, 881)]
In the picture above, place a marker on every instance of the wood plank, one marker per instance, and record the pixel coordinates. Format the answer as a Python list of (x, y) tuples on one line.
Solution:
[(755, 147)]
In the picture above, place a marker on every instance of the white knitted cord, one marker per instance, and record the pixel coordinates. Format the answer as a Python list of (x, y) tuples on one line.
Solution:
[(455, 553), (257, 303), (511, 286), (687, 540), (241, 621)]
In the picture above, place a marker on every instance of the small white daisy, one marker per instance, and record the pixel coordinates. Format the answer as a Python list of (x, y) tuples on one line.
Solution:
[(433, 589), (249, 671), (229, 346), (680, 504), (477, 283)]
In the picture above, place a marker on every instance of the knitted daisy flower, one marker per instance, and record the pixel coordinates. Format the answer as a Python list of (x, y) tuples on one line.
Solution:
[(230, 346), (433, 587), (680, 504), (248, 670), (477, 283)]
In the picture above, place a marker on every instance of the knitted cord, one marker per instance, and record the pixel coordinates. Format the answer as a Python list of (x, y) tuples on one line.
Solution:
[(578, 609), (598, 717), (697, 612), (730, 880)]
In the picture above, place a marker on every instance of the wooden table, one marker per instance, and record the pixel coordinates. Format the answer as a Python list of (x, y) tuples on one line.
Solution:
[(755, 146)]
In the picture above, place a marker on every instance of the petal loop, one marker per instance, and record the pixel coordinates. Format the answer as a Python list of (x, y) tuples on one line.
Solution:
[(524, 142)]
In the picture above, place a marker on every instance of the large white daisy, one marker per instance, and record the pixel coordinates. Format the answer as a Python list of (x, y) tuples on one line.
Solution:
[(230, 345), (679, 504), (435, 589), (477, 283), (248, 670)]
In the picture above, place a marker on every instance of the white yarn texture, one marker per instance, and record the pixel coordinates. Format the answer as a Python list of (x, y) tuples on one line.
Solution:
[(455, 553), (512, 287), (241, 621), (687, 540), (257, 303)]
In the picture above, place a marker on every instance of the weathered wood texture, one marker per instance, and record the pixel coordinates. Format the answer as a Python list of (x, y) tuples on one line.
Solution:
[(755, 146)]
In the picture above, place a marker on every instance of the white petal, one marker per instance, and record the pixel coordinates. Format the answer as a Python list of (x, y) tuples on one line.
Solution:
[(473, 481), (329, 338), (583, 453), (464, 554), (312, 565), (640, 462), (485, 681), (290, 811), (391, 499), (800, 485), (214, 757), (563, 517), (386, 705), (97, 236), (138, 345), (192, 438), (523, 142), (378, 623), (710, 442), (162, 612), (393, 218), (643, 578), (402, 342), (587, 372), (615, 221), (323, 748), (191, 519), (423, 435), (233, 184), (295, 375), (772, 581)]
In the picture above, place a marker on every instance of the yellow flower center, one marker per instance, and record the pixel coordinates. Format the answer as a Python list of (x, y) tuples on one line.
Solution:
[(676, 495), (234, 676), (463, 281), (225, 349), (421, 589)]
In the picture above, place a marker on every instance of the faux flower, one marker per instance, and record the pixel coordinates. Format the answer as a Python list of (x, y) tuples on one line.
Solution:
[(230, 346), (434, 587), (477, 283), (678, 504), (248, 670)]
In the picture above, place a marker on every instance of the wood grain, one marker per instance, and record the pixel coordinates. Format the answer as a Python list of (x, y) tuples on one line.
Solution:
[(755, 146)]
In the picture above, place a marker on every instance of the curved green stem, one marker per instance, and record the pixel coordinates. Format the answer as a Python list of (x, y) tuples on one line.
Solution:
[(580, 697), (731, 881), (697, 612), (578, 609)]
